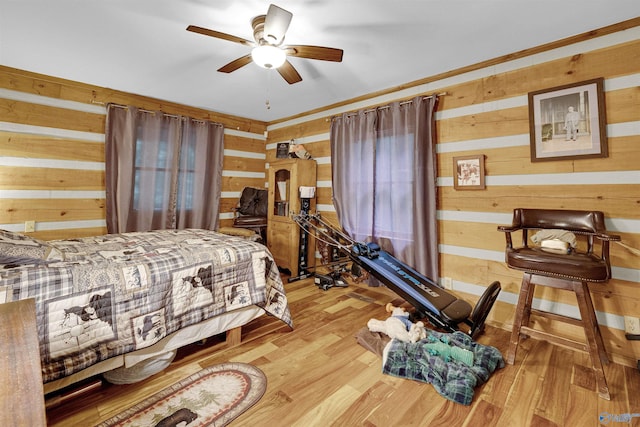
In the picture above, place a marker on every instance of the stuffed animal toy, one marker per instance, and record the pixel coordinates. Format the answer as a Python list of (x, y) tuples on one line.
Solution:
[(398, 326), (298, 151)]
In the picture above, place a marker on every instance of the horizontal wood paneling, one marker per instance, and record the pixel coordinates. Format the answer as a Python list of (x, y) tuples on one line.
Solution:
[(622, 105), (319, 149), (324, 196), (623, 154), (613, 61), (47, 157), (41, 115), (20, 210), (228, 204), (240, 143), (331, 218), (40, 84), (487, 237), (486, 112), (512, 121), (19, 178), (232, 163), (324, 172), (306, 128), (238, 183), (615, 297), (70, 233), (614, 200), (43, 147)]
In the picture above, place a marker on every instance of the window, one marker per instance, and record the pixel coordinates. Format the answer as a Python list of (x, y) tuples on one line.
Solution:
[(393, 189), (383, 179), (163, 171), (160, 172)]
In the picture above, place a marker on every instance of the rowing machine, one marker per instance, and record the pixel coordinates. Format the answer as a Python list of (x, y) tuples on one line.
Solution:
[(432, 302)]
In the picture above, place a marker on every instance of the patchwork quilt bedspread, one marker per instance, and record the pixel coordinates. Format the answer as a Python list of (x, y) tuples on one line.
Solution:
[(104, 296)]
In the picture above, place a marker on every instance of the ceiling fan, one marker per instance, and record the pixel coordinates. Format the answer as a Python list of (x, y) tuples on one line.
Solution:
[(268, 51)]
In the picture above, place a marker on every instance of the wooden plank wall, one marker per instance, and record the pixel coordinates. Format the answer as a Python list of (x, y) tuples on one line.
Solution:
[(52, 153), (485, 112), (52, 162)]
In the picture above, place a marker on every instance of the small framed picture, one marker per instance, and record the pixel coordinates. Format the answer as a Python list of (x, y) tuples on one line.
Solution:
[(468, 172), (282, 150), (568, 122)]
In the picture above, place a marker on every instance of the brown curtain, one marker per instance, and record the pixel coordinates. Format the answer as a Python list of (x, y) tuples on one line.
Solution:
[(384, 179), (162, 171)]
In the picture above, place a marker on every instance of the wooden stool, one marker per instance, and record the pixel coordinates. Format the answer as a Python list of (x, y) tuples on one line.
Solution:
[(594, 344), (571, 270)]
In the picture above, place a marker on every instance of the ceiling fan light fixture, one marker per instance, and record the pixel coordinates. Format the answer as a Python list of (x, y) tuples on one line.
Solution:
[(269, 33), (268, 56)]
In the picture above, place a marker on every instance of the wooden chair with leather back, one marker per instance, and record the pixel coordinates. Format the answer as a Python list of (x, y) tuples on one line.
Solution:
[(563, 258)]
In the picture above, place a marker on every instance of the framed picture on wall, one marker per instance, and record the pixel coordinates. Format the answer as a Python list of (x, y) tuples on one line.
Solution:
[(282, 150), (468, 172), (568, 122)]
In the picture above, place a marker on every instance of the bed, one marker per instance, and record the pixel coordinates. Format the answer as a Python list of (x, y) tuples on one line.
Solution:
[(111, 303)]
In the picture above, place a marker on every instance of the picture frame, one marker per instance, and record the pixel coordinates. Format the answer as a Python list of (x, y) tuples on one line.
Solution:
[(568, 122), (468, 172), (282, 150)]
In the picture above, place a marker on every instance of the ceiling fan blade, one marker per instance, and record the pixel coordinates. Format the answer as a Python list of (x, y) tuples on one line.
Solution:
[(235, 64), (289, 73), (315, 52), (219, 35), (276, 24)]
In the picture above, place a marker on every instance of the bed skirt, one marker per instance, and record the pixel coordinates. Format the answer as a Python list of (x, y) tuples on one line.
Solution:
[(160, 350)]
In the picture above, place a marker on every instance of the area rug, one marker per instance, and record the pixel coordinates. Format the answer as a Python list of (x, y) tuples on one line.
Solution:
[(212, 397)]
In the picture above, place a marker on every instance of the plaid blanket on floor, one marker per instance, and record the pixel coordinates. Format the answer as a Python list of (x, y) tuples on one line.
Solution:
[(451, 378)]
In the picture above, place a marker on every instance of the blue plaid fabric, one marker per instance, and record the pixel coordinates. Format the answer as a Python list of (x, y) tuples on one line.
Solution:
[(451, 378)]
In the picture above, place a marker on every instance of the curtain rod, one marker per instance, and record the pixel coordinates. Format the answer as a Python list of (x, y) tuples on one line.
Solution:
[(384, 107), (408, 101), (124, 107)]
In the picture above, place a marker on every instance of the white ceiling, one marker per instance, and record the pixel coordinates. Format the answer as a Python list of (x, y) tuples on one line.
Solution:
[(142, 47)]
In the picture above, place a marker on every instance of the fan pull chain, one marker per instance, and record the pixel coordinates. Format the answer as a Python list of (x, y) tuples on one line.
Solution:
[(267, 103)]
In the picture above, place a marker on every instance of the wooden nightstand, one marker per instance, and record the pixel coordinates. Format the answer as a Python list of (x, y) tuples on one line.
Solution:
[(21, 390)]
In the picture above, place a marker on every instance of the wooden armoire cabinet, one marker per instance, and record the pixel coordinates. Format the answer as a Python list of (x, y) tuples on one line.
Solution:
[(286, 176)]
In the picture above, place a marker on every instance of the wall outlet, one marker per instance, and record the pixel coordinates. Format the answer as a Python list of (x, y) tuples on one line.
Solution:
[(29, 226), (632, 325), (447, 282)]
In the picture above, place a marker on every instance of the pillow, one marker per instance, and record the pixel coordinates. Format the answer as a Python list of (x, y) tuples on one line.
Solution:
[(17, 248), (555, 234)]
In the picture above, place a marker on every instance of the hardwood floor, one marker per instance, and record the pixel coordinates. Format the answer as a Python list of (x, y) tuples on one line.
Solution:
[(319, 376)]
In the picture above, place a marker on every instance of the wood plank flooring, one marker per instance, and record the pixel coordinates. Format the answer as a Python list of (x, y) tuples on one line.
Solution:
[(319, 376)]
